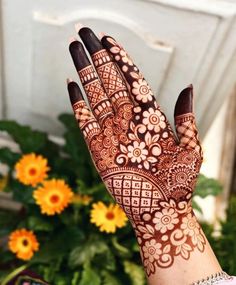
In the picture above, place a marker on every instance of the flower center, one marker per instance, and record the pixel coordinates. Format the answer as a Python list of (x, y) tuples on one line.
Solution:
[(32, 171), (143, 90), (25, 242), (166, 220), (151, 250), (181, 177), (154, 119), (110, 216), (137, 152), (54, 198), (191, 224)]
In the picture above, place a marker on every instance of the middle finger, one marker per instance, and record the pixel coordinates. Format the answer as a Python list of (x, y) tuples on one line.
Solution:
[(108, 71)]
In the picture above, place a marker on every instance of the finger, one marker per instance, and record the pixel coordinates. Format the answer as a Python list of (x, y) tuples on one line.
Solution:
[(98, 100), (108, 71), (185, 121), (87, 122), (139, 88)]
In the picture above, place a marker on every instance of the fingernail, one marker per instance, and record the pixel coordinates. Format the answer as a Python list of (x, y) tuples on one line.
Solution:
[(72, 39), (78, 26), (79, 55), (69, 80), (184, 102), (101, 35), (90, 40), (75, 93)]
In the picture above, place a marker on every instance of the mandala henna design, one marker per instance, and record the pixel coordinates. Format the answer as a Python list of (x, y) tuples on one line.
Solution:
[(149, 172)]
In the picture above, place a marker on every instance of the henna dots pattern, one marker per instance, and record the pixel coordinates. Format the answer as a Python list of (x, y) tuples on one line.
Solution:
[(150, 173)]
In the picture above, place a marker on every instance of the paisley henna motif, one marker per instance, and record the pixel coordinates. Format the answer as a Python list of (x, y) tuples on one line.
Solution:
[(150, 173)]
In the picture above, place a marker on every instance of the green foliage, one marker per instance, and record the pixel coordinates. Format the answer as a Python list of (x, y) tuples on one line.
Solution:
[(90, 276), (224, 245), (135, 272), (207, 186), (86, 252), (72, 250), (110, 279)]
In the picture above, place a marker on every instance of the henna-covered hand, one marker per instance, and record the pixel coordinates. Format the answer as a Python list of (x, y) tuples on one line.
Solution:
[(149, 171)]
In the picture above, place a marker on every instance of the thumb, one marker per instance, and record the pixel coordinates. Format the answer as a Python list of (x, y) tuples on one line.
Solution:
[(185, 121)]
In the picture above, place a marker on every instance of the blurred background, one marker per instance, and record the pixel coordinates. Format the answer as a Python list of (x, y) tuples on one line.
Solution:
[(174, 43)]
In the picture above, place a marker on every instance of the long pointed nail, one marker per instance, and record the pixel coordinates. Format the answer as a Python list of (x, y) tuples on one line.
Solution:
[(78, 26), (69, 80), (184, 102), (190, 86), (101, 35), (72, 39)]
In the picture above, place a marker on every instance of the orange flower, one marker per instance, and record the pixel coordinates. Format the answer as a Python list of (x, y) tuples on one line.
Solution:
[(53, 197), (107, 218), (31, 169), (23, 243)]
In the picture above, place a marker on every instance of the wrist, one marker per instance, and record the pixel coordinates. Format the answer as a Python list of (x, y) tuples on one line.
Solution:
[(169, 232)]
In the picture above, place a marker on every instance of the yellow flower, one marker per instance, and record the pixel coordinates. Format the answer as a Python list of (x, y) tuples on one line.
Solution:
[(82, 199), (23, 243), (53, 196), (107, 218), (31, 169)]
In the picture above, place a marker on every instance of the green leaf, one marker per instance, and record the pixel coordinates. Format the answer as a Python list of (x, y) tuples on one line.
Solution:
[(28, 139), (108, 258), (21, 193), (110, 279), (8, 222), (13, 274), (121, 250), (75, 144), (68, 121), (86, 251), (77, 149), (57, 245), (59, 279), (8, 157), (207, 186), (75, 279), (135, 272), (89, 276), (39, 224)]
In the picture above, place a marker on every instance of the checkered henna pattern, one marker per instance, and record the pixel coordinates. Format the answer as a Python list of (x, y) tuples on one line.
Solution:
[(149, 171)]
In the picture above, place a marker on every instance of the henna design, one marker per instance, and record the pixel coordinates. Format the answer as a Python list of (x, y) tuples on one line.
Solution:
[(175, 226), (149, 172)]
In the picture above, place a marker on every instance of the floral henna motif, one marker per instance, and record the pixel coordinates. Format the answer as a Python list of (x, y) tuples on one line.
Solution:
[(175, 227), (145, 168)]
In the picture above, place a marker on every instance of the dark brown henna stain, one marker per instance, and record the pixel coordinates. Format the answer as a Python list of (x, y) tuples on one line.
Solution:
[(149, 174)]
